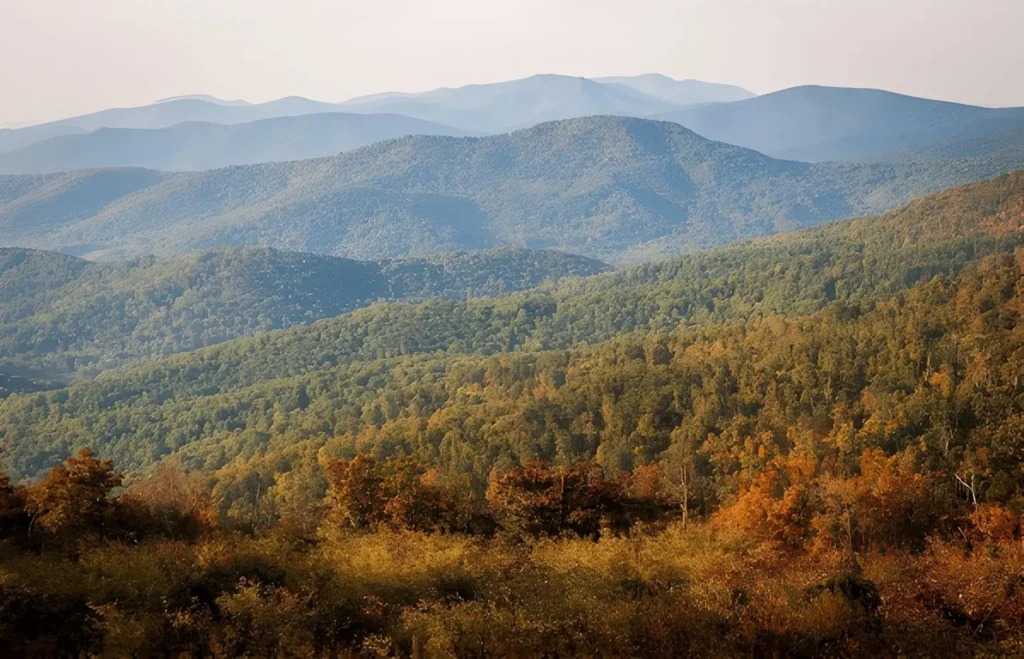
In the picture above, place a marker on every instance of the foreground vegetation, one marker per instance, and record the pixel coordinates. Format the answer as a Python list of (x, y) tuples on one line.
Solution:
[(400, 560)]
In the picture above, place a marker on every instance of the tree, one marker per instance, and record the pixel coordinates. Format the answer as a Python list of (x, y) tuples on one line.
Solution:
[(540, 501), (353, 492), (75, 497), (400, 493), (168, 502), (13, 517), (679, 465)]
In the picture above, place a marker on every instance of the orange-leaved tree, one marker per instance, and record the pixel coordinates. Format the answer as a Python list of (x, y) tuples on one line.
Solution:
[(74, 498)]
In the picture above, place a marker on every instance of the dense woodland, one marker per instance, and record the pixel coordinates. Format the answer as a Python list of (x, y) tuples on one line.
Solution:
[(810, 444), (231, 394), (62, 317)]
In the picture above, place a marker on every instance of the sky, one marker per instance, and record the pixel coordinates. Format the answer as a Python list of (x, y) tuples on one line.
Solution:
[(66, 57)]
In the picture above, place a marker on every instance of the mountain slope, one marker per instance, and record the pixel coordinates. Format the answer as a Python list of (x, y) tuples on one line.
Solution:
[(679, 92), (831, 123), (197, 146), (61, 315), (1006, 147), (607, 187), (504, 106), (346, 374)]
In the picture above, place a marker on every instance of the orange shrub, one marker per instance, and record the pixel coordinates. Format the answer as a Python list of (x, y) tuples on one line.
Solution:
[(994, 523)]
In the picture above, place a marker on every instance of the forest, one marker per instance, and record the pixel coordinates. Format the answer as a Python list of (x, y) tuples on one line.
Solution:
[(805, 445), (313, 381), (64, 319)]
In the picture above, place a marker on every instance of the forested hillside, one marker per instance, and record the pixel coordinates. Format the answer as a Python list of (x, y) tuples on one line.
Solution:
[(62, 316), (1006, 147), (321, 380), (618, 189)]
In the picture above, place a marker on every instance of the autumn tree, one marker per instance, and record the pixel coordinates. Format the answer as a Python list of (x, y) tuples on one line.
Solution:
[(168, 502), (778, 505), (75, 497), (400, 493), (537, 500), (887, 504), (354, 492)]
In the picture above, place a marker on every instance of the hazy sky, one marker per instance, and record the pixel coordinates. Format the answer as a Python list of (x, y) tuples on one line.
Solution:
[(66, 57)]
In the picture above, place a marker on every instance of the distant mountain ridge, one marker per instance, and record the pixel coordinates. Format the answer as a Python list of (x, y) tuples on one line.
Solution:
[(161, 115), (204, 97), (504, 106), (618, 189), (811, 123), (489, 108), (831, 123), (193, 146)]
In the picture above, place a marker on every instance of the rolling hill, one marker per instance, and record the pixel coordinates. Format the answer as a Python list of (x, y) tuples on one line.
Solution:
[(197, 146), (62, 316), (354, 372), (830, 123), (607, 187)]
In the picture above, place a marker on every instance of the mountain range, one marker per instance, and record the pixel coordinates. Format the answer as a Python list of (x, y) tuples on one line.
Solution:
[(489, 108), (531, 368), (810, 124), (163, 114), (618, 189), (678, 92)]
